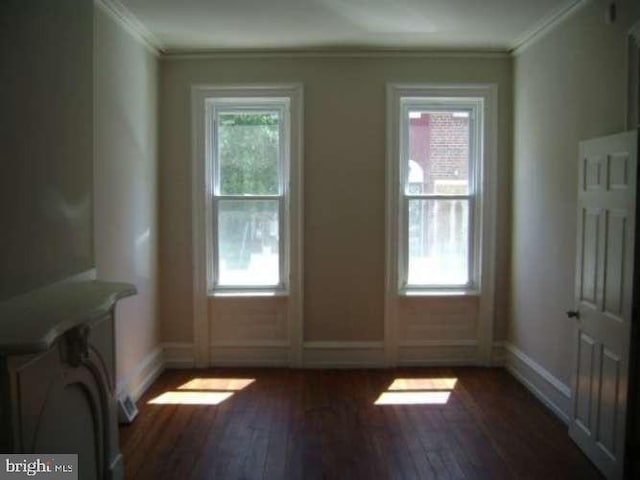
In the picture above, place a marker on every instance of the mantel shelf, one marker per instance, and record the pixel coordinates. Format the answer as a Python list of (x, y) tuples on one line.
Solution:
[(32, 322)]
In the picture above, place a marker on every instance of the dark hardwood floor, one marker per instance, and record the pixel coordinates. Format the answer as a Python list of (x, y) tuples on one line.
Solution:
[(315, 424)]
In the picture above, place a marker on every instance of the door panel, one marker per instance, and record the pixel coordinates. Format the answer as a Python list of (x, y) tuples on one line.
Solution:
[(619, 171), (604, 276), (586, 353), (592, 174), (615, 264), (610, 368), (589, 267)]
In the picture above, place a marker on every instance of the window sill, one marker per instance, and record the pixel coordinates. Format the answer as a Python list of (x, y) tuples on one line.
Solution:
[(248, 293), (439, 293)]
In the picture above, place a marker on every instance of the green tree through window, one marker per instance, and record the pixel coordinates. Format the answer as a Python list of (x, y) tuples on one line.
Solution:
[(248, 147)]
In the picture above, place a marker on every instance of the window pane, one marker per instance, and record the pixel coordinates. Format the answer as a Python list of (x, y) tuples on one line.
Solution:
[(438, 242), (248, 151), (248, 243), (438, 152)]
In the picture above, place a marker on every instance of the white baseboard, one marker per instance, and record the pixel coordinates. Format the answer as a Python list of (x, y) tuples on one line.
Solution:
[(143, 375), (332, 354), (418, 353), (426, 353), (165, 355), (178, 355), (547, 388)]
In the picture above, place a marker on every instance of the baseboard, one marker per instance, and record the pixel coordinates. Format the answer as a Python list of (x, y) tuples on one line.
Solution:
[(178, 355), (427, 353), (539, 381), (143, 375), (335, 354)]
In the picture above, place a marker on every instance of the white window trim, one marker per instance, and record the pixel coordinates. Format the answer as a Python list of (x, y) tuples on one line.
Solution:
[(486, 211), (202, 210)]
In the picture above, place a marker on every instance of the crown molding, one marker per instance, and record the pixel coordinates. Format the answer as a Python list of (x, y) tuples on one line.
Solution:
[(121, 14), (332, 53), (548, 23)]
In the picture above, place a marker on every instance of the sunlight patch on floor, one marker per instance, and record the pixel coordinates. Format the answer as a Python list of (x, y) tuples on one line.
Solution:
[(413, 398), (190, 398), (203, 391), (423, 384), (418, 391), (218, 384)]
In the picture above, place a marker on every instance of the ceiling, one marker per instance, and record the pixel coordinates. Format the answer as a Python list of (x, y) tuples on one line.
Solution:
[(196, 25)]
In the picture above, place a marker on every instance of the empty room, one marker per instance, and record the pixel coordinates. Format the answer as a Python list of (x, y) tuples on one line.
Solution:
[(332, 239)]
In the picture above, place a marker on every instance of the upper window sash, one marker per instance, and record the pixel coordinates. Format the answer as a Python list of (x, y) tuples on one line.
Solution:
[(216, 107), (474, 106)]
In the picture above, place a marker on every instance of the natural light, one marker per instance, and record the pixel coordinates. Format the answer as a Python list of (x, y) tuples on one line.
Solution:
[(224, 384), (203, 391), (423, 384), (413, 398), (418, 391), (191, 398)]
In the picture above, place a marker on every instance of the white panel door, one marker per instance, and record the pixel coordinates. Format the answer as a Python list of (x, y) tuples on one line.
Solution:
[(603, 294)]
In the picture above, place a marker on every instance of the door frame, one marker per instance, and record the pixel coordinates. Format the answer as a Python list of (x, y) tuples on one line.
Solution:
[(632, 457), (633, 113)]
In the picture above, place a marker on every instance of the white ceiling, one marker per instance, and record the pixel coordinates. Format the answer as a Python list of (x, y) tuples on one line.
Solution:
[(191, 25)]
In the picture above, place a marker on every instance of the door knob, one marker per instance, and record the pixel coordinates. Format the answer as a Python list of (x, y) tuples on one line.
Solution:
[(573, 314)]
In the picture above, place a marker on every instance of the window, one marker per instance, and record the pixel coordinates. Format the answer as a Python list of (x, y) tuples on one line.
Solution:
[(438, 156), (249, 163), (251, 153), (437, 159)]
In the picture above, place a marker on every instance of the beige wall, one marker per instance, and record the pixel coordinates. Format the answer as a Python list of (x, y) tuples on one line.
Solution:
[(125, 193), (46, 142), (344, 202), (569, 86)]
